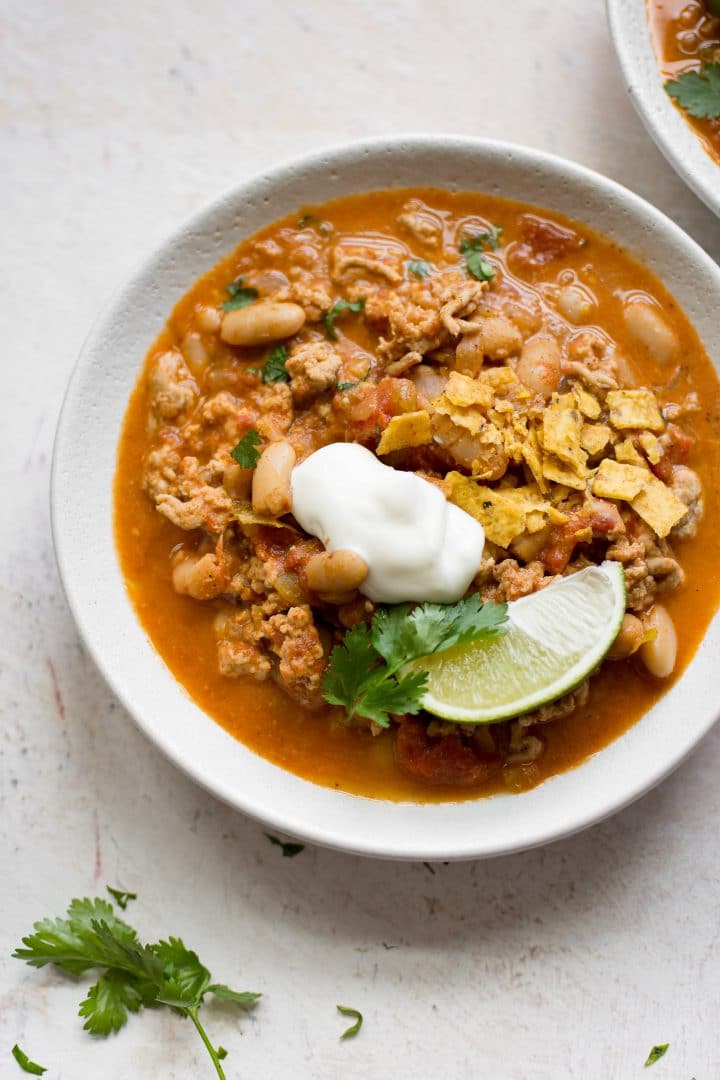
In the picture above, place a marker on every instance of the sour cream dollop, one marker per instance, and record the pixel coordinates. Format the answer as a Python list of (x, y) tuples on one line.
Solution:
[(417, 545)]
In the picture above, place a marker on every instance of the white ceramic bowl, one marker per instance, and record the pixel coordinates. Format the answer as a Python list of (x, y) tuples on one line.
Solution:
[(82, 479), (630, 30)]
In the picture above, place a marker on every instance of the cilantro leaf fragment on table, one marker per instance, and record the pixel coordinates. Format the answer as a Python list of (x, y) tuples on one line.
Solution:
[(121, 897), (274, 368), (473, 246), (364, 673), (132, 975), (346, 1010), (698, 92), (246, 452), (289, 849), (337, 309), (656, 1053), (25, 1063), (240, 295), (418, 267)]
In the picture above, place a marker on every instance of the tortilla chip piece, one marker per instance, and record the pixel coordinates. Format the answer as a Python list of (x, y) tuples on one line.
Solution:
[(616, 481), (588, 405), (651, 445), (561, 433), (594, 438), (562, 473), (658, 506), (504, 513), (627, 452), (498, 379), (462, 390), (533, 459), (634, 409), (408, 429)]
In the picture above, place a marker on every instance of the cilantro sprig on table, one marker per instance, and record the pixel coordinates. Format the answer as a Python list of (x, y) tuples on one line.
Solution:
[(698, 92), (25, 1063), (132, 975), (365, 672), (473, 246)]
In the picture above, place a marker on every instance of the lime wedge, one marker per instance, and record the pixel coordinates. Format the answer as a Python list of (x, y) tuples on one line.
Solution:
[(554, 639)]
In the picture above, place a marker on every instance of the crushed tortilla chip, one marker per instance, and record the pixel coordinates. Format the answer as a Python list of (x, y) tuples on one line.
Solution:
[(659, 506), (588, 405), (533, 460), (462, 390), (408, 429), (504, 513), (616, 481), (562, 473), (561, 433), (498, 378), (651, 445), (628, 454), (634, 409), (244, 514), (594, 438)]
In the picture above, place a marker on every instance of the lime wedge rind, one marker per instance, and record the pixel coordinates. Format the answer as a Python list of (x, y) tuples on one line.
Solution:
[(556, 637)]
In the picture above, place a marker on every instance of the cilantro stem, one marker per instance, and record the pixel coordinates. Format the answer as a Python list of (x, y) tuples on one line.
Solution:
[(192, 1013)]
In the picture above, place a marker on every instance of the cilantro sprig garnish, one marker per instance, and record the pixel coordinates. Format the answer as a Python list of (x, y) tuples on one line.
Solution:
[(25, 1063), (132, 975), (346, 1010), (246, 452), (337, 309), (273, 369), (698, 92), (473, 245), (365, 673), (240, 294)]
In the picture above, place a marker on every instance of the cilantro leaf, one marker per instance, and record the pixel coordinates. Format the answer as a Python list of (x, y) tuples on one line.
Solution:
[(345, 1010), (243, 998), (246, 452), (403, 633), (698, 92), (472, 247), (342, 386), (337, 309), (418, 267), (241, 295), (392, 694), (25, 1063), (289, 849), (120, 897), (656, 1053), (221, 1053), (274, 368), (349, 667), (185, 979), (109, 1001)]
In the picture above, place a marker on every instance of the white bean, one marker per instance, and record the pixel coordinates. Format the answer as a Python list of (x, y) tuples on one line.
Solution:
[(271, 490), (496, 338), (258, 324), (660, 654), (629, 638), (650, 329), (194, 352), (575, 303), (201, 576), (338, 571), (539, 364), (208, 319)]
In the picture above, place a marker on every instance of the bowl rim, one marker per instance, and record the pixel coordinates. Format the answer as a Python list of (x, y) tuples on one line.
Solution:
[(666, 125), (368, 842)]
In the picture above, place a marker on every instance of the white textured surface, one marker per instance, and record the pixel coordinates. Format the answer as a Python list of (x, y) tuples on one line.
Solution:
[(565, 962)]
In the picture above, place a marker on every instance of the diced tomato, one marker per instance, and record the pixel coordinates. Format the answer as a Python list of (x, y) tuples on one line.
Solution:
[(543, 241), (677, 452), (440, 760)]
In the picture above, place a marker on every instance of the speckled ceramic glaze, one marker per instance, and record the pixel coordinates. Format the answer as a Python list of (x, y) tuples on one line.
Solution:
[(677, 140), (82, 509)]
